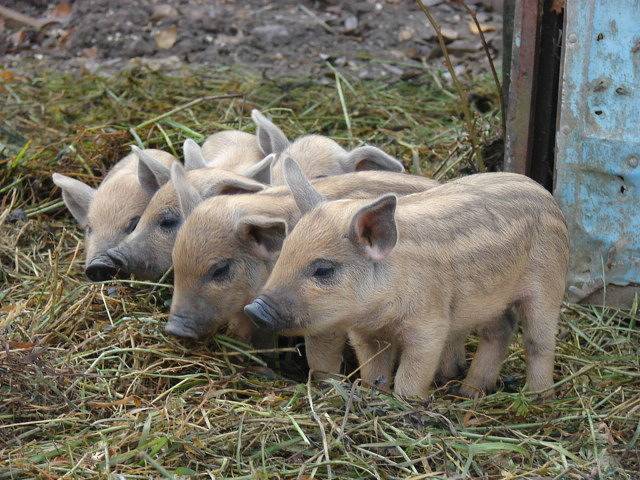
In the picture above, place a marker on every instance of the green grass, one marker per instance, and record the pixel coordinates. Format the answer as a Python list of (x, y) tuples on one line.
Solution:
[(90, 386)]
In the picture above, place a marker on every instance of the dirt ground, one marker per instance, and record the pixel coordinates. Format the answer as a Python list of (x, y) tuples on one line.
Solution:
[(369, 39)]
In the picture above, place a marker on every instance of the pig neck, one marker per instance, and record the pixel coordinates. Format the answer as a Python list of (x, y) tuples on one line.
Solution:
[(272, 202), (235, 158)]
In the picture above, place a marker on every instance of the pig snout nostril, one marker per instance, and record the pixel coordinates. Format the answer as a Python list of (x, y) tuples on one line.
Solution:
[(116, 258), (100, 269), (262, 314)]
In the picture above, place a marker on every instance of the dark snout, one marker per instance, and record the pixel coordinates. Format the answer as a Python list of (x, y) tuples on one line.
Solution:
[(182, 326), (100, 269), (263, 313)]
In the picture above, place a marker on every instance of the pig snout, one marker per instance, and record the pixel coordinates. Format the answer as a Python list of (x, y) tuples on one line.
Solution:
[(182, 326), (101, 268), (263, 314)]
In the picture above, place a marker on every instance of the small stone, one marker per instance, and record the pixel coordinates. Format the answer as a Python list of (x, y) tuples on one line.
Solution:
[(169, 63), (90, 53), (431, 3), (166, 38), (17, 215), (460, 47), (271, 33), (449, 34), (163, 11), (350, 23), (393, 69), (365, 74), (406, 33), (413, 53)]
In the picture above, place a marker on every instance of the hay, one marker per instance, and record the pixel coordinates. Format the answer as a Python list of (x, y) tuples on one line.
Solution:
[(90, 386)]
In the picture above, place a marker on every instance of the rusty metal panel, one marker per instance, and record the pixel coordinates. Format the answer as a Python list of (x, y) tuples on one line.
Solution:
[(598, 144), (518, 136)]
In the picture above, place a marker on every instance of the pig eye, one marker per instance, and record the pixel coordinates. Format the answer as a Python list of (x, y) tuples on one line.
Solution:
[(323, 270), (132, 225), (169, 221), (219, 272)]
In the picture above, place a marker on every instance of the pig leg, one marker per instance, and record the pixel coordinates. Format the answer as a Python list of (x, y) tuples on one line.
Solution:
[(422, 350), (324, 353), (485, 367), (454, 358), (539, 329), (376, 358)]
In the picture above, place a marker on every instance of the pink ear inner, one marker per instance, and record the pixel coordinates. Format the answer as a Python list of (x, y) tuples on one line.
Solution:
[(369, 229)]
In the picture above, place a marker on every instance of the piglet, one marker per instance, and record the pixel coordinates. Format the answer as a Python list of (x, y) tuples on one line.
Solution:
[(146, 252), (111, 211), (406, 276), (317, 156)]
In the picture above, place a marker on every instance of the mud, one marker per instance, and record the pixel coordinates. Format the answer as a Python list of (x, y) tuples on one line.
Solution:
[(368, 39)]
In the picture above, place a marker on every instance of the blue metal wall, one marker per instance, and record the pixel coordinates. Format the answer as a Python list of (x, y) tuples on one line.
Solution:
[(598, 141)]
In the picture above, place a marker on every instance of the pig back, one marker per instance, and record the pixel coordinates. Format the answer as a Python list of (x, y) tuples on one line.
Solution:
[(232, 150), (371, 184), (487, 230)]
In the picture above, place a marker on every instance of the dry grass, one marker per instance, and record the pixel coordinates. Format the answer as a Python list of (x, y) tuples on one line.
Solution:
[(90, 387)]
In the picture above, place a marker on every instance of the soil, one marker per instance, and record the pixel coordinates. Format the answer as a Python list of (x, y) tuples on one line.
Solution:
[(370, 39)]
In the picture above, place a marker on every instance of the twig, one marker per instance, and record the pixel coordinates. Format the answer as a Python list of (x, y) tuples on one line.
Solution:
[(464, 99), (343, 103), (347, 408), (323, 434), (388, 345), (182, 107), (317, 19), (23, 19), (161, 470), (471, 12)]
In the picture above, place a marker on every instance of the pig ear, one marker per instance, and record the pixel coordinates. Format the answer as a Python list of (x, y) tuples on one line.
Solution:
[(151, 173), (370, 158), (270, 138), (304, 194), (373, 228), (264, 235), (232, 186), (188, 197), (261, 171), (77, 196), (193, 157)]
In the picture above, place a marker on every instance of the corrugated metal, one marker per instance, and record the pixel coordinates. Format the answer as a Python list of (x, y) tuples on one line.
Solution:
[(598, 142)]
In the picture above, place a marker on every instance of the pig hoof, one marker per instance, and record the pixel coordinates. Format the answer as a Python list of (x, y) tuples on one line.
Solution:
[(544, 396), (469, 391)]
